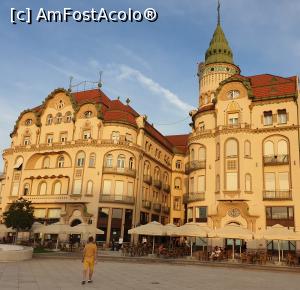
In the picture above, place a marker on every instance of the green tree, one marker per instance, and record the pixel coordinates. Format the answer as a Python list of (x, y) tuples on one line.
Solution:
[(19, 215)]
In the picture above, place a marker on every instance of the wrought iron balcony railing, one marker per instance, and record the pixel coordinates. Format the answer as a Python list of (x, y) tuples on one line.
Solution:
[(118, 170), (276, 159), (117, 198), (277, 195), (193, 196)]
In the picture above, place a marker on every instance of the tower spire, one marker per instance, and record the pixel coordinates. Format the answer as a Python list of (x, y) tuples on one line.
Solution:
[(219, 17)]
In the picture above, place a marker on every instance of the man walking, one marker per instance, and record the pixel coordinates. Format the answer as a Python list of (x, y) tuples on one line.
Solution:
[(88, 259)]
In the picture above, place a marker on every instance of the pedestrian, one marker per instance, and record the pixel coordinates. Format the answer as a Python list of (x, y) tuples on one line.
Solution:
[(120, 243), (89, 259)]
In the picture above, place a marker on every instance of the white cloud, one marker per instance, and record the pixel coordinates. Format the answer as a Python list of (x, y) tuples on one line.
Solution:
[(130, 73)]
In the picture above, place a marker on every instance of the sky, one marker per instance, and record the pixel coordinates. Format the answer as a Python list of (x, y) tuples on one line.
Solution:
[(152, 63)]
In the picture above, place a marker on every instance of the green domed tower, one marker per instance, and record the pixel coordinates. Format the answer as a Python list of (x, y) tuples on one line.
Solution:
[(218, 65)]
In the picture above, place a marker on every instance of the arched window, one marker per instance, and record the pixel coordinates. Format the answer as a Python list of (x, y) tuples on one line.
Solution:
[(218, 183), (28, 122), (192, 155), (109, 160), (231, 148), (68, 117), (57, 187), (202, 154), (89, 188), (282, 147), (80, 159), (58, 118), (88, 114), (218, 151), (46, 162), (26, 190), (248, 183), (92, 160), (43, 188), (177, 183), (60, 162), (247, 148), (131, 165), (178, 164), (269, 148), (121, 161), (166, 178), (49, 119)]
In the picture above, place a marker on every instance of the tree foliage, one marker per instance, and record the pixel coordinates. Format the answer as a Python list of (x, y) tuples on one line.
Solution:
[(19, 215)]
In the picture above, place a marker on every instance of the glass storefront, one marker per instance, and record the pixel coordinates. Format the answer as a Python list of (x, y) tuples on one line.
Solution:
[(102, 223)]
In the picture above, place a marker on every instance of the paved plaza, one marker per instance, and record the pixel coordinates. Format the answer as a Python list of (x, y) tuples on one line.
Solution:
[(53, 274)]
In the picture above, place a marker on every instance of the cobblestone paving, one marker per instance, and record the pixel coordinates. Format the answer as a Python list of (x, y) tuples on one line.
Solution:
[(53, 274)]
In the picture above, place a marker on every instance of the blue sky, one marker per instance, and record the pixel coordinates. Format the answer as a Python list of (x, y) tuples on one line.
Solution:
[(154, 64)]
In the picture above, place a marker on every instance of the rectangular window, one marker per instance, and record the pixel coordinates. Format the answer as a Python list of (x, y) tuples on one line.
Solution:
[(26, 141), (201, 126), (107, 187), (128, 137), (192, 184), (177, 203), (233, 119), (270, 181), (283, 180), (49, 139), (119, 190), (201, 214), (40, 213), (54, 213), (190, 214), (268, 118), (282, 116), (77, 186), (86, 134), (63, 137), (201, 183), (115, 136), (231, 181), (130, 189)]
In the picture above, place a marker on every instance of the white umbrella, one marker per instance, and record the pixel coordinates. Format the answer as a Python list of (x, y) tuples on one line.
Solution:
[(56, 228), (171, 230), (150, 229), (193, 230), (86, 229), (5, 230), (279, 233), (232, 231)]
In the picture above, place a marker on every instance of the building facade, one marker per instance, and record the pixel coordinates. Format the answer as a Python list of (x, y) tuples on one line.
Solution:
[(82, 157)]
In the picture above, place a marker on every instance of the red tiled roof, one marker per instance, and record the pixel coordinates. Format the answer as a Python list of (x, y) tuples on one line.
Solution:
[(180, 142), (115, 110), (264, 86), (267, 85)]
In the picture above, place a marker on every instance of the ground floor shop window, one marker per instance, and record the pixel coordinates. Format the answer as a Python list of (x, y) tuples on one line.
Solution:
[(127, 224), (155, 218), (102, 223), (116, 223)]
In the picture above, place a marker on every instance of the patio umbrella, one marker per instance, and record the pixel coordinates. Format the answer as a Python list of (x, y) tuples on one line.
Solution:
[(56, 228), (232, 231), (86, 229), (5, 230), (279, 233), (193, 230), (150, 229)]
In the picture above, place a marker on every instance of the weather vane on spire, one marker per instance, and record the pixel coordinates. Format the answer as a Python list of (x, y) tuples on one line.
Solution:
[(219, 18)]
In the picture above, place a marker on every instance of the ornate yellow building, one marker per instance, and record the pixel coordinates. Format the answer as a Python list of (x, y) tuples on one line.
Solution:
[(82, 157)]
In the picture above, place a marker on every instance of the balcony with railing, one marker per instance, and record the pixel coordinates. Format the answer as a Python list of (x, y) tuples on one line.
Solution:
[(166, 188), (148, 179), (146, 204), (117, 198), (193, 196), (277, 195), (49, 198), (195, 165), (276, 159), (157, 207), (157, 183), (118, 170)]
